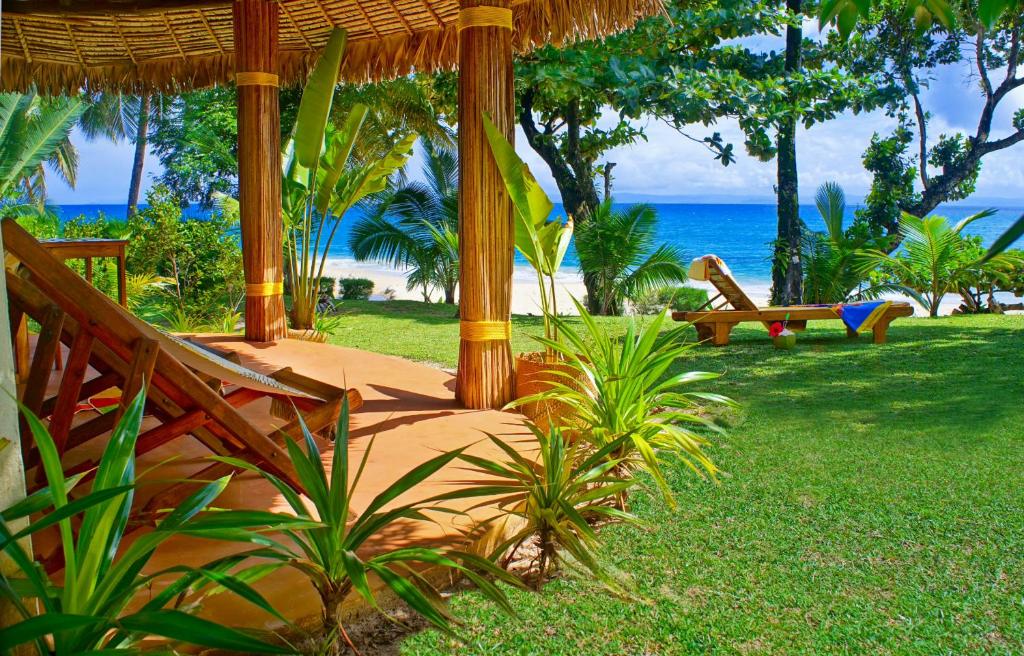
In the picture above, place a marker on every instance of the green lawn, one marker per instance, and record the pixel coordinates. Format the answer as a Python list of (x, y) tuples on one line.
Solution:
[(874, 503)]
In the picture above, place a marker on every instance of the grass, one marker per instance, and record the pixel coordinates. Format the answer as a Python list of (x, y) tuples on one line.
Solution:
[(874, 503)]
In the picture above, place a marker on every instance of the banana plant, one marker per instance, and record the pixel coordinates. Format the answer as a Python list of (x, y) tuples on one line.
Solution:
[(542, 242), (89, 607), (332, 552), (322, 180)]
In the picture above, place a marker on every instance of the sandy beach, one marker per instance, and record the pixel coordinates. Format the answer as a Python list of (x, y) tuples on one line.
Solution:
[(524, 287)]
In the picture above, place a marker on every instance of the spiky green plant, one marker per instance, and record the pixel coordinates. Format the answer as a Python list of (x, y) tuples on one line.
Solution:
[(87, 608), (555, 499), (629, 393), (331, 554)]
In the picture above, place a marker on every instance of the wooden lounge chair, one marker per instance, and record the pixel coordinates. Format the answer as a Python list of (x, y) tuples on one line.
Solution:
[(190, 391), (715, 320)]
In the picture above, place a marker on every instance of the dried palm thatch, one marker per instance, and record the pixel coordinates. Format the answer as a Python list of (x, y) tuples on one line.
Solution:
[(175, 45)]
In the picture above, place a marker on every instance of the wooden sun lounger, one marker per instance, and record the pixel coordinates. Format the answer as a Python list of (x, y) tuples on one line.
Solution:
[(715, 320), (191, 392)]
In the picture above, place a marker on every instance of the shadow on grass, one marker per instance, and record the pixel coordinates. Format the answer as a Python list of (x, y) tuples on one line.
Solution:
[(964, 376)]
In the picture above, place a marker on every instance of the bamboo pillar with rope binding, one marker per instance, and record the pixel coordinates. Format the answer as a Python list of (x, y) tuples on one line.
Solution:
[(486, 376), (259, 167)]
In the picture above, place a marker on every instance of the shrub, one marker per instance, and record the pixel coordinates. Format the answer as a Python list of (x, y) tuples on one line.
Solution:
[(356, 289), (678, 298), (629, 393), (327, 285), (201, 257)]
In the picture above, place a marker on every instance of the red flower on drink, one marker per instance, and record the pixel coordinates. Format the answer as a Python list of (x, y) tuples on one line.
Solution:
[(776, 329)]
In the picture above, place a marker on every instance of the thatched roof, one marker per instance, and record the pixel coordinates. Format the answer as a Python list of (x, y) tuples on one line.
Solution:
[(175, 45)]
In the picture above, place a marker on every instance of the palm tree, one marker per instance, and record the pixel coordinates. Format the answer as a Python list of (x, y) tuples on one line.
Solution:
[(117, 116), (416, 225), (935, 259), (832, 271), (617, 251), (34, 134)]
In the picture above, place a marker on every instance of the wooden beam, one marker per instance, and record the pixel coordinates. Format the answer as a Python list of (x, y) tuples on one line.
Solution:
[(259, 168), (486, 377)]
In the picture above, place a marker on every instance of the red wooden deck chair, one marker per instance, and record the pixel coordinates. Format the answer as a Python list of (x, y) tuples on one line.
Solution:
[(190, 391), (715, 320)]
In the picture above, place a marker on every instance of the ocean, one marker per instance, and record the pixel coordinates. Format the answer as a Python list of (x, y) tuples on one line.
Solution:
[(739, 234)]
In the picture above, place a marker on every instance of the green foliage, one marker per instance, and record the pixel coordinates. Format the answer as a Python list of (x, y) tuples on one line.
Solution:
[(355, 289), (678, 298), (899, 47), (845, 14), (327, 285), (555, 498), (541, 240), (936, 259), (196, 139), (92, 607), (416, 226), (831, 259), (321, 183), (332, 553), (627, 394), (618, 252), (34, 132), (200, 259)]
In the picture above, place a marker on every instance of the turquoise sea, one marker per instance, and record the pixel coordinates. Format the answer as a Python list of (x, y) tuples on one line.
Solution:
[(740, 234)]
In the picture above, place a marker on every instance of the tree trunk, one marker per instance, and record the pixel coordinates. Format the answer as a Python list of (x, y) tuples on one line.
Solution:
[(573, 173), (141, 144), (787, 269)]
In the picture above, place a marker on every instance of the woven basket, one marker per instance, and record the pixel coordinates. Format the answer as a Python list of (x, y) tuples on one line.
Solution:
[(534, 375)]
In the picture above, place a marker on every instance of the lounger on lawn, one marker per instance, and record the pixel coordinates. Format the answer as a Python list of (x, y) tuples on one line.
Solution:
[(190, 391), (716, 319)]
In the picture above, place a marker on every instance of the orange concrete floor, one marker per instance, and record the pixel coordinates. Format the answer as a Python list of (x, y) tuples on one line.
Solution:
[(409, 413)]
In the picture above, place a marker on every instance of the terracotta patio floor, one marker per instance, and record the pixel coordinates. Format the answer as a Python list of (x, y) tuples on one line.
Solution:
[(410, 414)]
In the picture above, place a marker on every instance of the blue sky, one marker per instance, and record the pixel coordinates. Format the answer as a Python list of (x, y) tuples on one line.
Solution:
[(671, 168)]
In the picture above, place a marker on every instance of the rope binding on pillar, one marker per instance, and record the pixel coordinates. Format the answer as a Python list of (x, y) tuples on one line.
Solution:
[(263, 289), (484, 16), (485, 331), (257, 79)]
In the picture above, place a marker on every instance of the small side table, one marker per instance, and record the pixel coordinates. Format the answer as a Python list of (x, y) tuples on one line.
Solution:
[(88, 249), (75, 249)]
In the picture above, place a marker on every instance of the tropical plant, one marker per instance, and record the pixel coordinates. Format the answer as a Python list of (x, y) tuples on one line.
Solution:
[(618, 252), (355, 289), (331, 554), (541, 241), (34, 131), (117, 116), (94, 606), (201, 258), (831, 259), (416, 225), (936, 259), (678, 298), (555, 499), (628, 392), (321, 181)]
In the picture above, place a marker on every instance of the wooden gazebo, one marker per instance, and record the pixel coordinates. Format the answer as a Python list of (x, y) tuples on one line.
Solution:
[(63, 46)]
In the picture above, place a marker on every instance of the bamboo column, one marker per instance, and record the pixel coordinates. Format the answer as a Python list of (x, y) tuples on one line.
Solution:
[(486, 377), (259, 167)]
